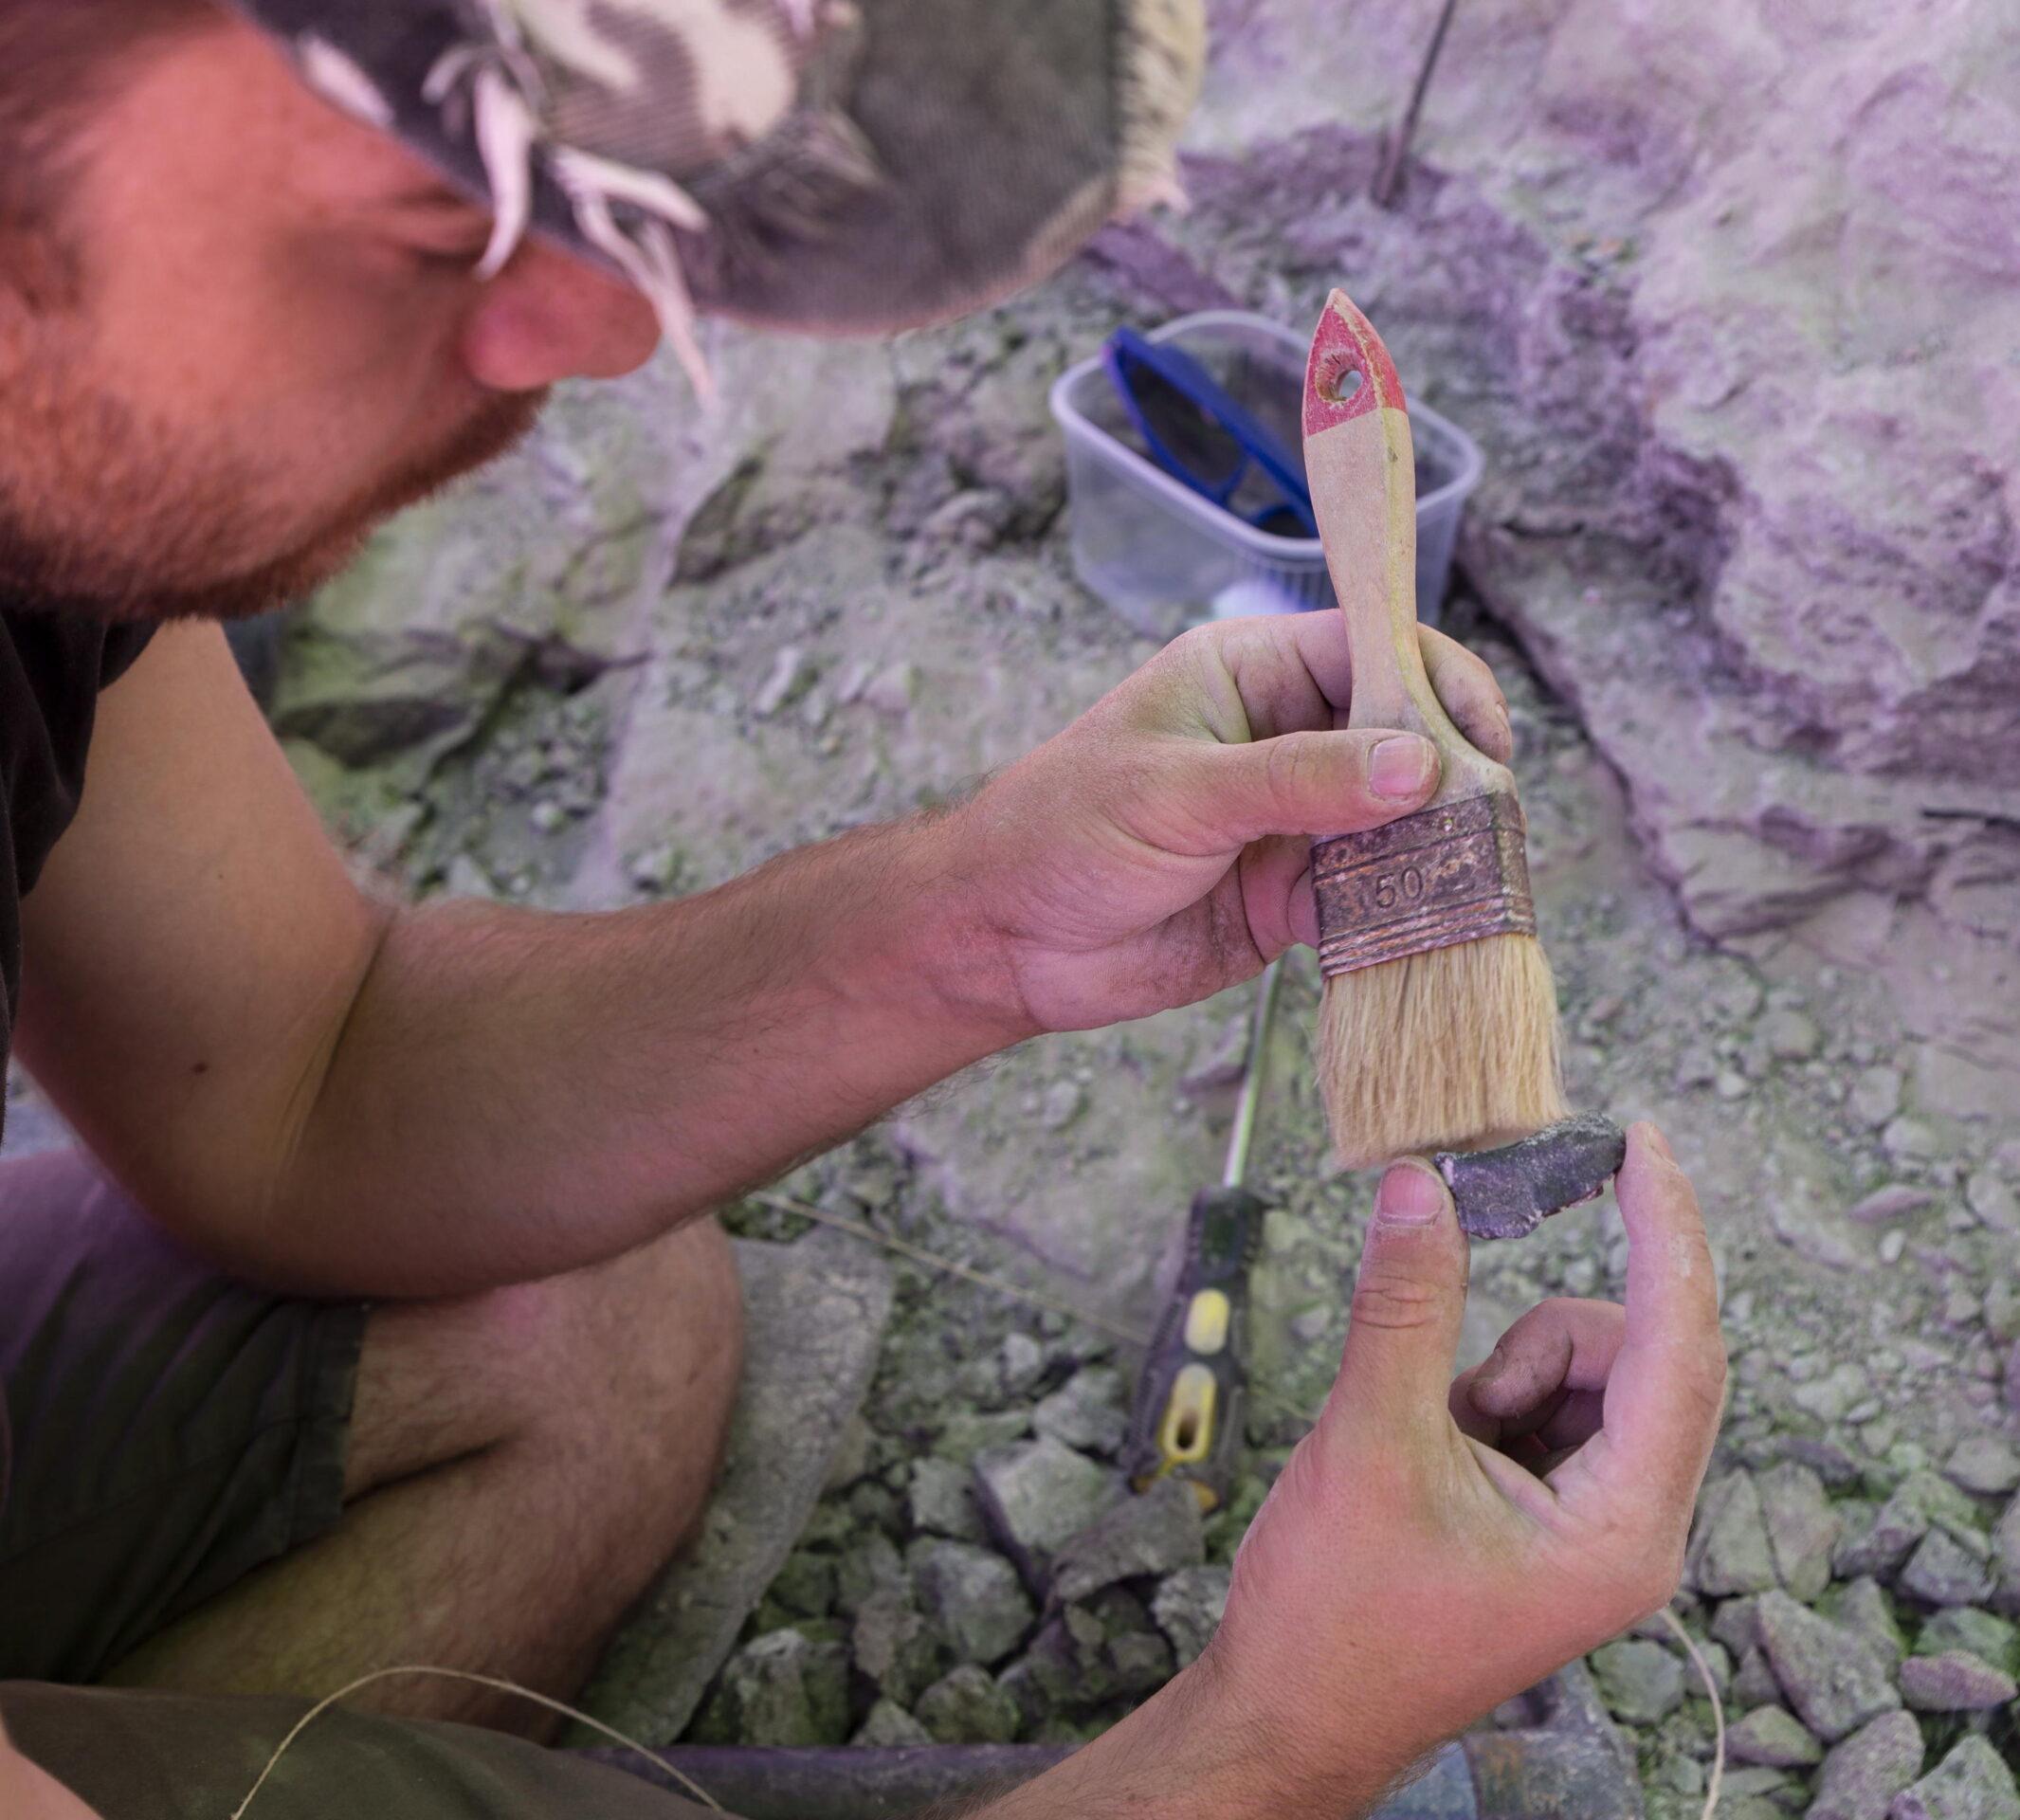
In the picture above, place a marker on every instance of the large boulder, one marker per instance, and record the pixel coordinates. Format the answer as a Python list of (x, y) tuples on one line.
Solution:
[(1751, 475)]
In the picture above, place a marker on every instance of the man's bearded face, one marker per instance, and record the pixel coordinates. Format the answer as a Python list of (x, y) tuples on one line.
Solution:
[(252, 333)]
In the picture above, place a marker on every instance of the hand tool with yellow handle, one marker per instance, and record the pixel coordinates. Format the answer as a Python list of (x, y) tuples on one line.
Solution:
[(1187, 1419)]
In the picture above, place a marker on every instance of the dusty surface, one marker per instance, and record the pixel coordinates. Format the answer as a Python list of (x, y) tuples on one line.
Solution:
[(653, 649)]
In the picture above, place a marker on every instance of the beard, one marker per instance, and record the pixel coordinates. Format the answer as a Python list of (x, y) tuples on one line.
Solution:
[(119, 519)]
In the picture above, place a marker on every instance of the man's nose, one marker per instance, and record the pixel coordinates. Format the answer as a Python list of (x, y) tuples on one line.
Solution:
[(549, 317)]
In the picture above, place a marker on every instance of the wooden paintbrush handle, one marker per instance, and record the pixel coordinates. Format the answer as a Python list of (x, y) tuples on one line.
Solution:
[(1362, 472)]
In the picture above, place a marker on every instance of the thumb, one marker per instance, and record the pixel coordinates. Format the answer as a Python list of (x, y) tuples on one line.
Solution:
[(1408, 1301), (1319, 784)]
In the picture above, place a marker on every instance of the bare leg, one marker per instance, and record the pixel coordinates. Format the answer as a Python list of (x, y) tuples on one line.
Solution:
[(522, 1465)]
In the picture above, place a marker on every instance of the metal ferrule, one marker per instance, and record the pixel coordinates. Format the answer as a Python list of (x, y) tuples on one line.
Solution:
[(1436, 878)]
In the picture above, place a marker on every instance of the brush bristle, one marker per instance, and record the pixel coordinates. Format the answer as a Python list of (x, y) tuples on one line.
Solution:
[(1441, 1050)]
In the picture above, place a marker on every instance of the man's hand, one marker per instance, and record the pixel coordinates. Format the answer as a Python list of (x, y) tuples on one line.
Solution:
[(1158, 850), (1411, 1570)]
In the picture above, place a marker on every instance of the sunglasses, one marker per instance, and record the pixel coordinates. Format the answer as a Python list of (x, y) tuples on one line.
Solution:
[(1197, 434)]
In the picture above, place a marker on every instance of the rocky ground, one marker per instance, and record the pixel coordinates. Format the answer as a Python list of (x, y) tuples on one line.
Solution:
[(656, 648)]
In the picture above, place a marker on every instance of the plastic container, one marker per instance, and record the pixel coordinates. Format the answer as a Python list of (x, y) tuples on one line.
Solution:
[(1164, 557)]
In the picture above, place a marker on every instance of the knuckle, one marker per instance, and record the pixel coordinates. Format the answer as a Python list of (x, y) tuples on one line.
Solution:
[(1394, 1300)]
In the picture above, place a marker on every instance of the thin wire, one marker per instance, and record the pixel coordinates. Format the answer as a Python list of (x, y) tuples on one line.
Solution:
[(918, 1254), (1717, 1709), (659, 1764)]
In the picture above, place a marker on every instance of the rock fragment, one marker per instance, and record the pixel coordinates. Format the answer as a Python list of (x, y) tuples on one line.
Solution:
[(1734, 1555), (1156, 1532), (1955, 1681), (1861, 1776), (1086, 1411), (1969, 1784), (1802, 1529), (973, 1597), (1774, 1736), (1639, 1681), (1985, 1464), (1943, 1572), (1834, 1679), (783, 1689), (1188, 1609), (965, 1707), (1038, 1495)]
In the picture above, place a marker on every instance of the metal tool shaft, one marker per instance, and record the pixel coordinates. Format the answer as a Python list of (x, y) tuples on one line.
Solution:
[(1242, 1138)]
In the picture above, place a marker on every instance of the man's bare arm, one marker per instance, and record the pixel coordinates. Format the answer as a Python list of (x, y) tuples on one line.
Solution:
[(341, 1097), (346, 1097)]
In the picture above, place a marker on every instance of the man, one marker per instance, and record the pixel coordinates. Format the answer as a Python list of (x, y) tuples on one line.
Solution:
[(387, 1325)]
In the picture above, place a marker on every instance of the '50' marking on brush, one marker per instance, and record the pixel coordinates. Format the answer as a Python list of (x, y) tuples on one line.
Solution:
[(1391, 888)]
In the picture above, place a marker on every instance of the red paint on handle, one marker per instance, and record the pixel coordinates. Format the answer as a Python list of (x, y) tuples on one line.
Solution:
[(1347, 343)]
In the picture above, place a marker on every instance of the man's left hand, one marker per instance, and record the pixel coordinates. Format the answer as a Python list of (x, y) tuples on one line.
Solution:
[(1158, 850)]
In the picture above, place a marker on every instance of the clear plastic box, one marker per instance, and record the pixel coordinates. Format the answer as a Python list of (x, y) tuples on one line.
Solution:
[(1163, 556)]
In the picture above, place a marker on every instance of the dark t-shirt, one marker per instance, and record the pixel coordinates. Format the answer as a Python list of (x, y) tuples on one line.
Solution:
[(52, 666)]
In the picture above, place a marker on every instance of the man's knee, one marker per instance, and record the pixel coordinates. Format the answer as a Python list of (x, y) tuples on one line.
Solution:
[(645, 1352)]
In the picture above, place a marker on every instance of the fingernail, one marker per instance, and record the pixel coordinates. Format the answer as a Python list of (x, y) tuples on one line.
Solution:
[(1409, 1195), (1401, 768), (1660, 1144), (1491, 1367)]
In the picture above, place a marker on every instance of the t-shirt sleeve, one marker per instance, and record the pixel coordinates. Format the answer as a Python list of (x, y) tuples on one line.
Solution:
[(123, 646)]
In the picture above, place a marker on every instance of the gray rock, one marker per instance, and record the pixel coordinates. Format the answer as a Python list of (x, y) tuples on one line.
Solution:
[(894, 1646), (1990, 1638), (965, 1707), (1985, 1464), (1732, 1624), (1754, 1683), (1802, 1529), (974, 1598), (1863, 1606), (1834, 1677), (1942, 1572), (1890, 1202), (1955, 1683), (1920, 1501), (1639, 1681), (780, 1689), (889, 1727), (1993, 1201), (2005, 1555), (1020, 1363), (968, 1433), (1969, 1784), (1086, 1411), (1188, 1609), (789, 677), (1907, 1139), (1154, 1532), (1875, 1097), (1789, 1036), (942, 1500), (1861, 1776), (1078, 1662), (1734, 1554), (1034, 1497), (1774, 1736), (870, 1567), (814, 1314)]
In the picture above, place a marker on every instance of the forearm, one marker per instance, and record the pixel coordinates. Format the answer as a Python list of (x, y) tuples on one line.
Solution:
[(1197, 1751), (516, 1094)]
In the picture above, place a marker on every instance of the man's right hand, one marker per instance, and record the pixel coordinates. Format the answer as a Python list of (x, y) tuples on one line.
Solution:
[(1412, 1571)]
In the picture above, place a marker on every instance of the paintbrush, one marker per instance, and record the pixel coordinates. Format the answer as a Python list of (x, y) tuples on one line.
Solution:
[(1438, 1025)]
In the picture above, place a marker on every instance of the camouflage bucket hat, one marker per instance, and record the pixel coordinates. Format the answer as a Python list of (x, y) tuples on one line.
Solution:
[(854, 166)]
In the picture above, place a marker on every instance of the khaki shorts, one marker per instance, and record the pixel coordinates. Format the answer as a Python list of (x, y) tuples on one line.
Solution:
[(172, 1430)]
